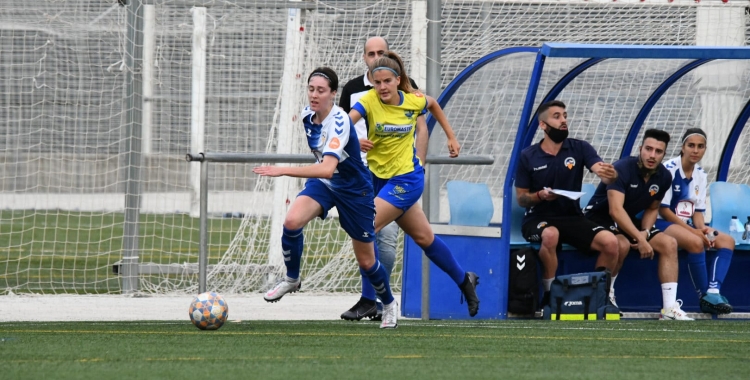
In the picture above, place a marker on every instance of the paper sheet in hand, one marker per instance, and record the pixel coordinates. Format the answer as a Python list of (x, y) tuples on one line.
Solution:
[(568, 194)]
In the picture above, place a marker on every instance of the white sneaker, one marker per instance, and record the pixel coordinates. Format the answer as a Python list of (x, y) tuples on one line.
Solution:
[(288, 285), (675, 313), (613, 300), (390, 316)]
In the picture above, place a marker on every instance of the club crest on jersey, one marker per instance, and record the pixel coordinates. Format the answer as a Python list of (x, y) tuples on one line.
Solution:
[(653, 190), (570, 162), (409, 114), (335, 143), (696, 189), (541, 225)]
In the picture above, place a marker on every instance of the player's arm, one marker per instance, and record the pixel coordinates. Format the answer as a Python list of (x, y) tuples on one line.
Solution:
[(606, 172), (432, 105), (527, 199), (668, 215), (649, 216), (323, 170), (617, 211), (423, 138), (364, 144)]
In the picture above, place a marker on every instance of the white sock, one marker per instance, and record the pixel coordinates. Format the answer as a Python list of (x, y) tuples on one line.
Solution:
[(713, 290), (547, 283), (612, 287), (668, 294)]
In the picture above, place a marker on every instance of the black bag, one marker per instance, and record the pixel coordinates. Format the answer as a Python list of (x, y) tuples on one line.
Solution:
[(523, 282), (582, 296)]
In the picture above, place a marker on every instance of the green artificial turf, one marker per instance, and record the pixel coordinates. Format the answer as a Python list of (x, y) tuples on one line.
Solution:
[(349, 350)]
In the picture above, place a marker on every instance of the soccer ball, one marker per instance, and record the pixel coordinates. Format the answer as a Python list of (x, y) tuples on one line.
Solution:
[(208, 311)]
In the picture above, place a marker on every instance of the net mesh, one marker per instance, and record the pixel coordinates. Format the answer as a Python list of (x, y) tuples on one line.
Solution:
[(65, 135)]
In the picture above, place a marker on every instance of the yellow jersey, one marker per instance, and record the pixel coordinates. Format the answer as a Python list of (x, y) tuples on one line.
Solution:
[(392, 130)]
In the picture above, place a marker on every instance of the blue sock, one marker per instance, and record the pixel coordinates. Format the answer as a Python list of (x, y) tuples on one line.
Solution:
[(379, 279), (720, 267), (367, 290), (291, 245), (441, 255), (697, 269)]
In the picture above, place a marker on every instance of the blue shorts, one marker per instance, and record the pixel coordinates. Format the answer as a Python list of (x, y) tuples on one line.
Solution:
[(356, 208), (662, 224), (402, 191)]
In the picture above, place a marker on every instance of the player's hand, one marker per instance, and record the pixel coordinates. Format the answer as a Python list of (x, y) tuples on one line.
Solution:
[(365, 145), (702, 234), (453, 147), (268, 171), (645, 249), (547, 195), (606, 171)]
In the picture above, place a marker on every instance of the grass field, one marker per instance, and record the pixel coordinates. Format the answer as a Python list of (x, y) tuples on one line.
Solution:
[(340, 349), (53, 251)]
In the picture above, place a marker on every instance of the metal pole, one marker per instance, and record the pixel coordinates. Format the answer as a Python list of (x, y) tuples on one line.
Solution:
[(132, 145), (431, 197), (203, 238)]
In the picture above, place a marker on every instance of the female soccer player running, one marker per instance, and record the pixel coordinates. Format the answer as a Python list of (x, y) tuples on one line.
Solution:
[(339, 179), (390, 110), (681, 216)]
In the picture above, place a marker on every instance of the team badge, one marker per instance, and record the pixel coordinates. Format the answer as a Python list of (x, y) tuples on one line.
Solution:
[(541, 225), (653, 190), (409, 114), (570, 162), (335, 143), (378, 127), (696, 189)]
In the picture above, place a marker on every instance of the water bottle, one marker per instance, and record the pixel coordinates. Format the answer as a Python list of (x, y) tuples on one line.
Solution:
[(712, 236), (735, 229), (746, 233)]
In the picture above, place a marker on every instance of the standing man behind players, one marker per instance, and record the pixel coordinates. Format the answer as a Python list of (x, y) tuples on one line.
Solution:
[(375, 47), (558, 162), (641, 184)]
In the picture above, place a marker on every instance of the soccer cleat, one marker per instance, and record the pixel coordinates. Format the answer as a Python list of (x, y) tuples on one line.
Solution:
[(288, 285), (613, 302), (715, 303), (469, 290), (674, 313), (390, 316), (363, 308)]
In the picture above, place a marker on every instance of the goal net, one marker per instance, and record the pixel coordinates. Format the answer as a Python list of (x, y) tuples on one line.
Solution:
[(65, 172)]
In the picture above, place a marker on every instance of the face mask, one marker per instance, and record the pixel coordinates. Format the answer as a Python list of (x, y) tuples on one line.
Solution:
[(556, 135), (644, 171)]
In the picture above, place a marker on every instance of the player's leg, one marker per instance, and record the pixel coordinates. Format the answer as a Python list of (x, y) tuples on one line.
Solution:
[(356, 216), (303, 209), (375, 272), (387, 240), (666, 247), (415, 224), (718, 268), (538, 230)]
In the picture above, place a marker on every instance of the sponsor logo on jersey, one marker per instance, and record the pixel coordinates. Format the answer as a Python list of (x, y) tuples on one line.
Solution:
[(389, 128), (335, 143), (570, 162), (653, 190)]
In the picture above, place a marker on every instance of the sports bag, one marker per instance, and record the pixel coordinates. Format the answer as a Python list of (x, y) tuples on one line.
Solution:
[(581, 296), (523, 282)]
